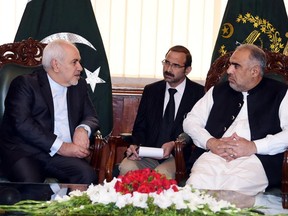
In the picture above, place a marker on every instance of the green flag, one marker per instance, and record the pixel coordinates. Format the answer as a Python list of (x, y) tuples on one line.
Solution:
[(260, 22), (74, 20)]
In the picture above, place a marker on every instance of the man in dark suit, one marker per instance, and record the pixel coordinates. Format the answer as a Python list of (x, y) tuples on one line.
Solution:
[(150, 127), (48, 120)]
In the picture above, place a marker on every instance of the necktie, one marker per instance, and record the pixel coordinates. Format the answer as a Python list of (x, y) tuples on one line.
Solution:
[(167, 120), (170, 108)]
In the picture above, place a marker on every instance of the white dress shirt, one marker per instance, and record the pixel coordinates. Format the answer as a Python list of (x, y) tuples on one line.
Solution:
[(61, 124)]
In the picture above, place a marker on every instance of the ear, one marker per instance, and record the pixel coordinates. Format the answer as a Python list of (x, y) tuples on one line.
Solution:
[(188, 70), (54, 65), (255, 71)]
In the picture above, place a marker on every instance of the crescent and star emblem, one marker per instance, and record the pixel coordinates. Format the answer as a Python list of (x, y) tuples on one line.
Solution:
[(92, 77), (227, 30)]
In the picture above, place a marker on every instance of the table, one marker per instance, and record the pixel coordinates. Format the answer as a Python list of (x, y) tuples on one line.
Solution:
[(272, 200), (11, 193)]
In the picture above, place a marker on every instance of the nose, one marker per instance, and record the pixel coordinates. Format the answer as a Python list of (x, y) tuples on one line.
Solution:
[(229, 69), (79, 66), (169, 67)]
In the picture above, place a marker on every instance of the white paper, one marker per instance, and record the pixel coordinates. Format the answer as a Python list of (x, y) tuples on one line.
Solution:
[(150, 152)]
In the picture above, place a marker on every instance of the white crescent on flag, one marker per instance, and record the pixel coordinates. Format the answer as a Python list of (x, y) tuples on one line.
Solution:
[(73, 38)]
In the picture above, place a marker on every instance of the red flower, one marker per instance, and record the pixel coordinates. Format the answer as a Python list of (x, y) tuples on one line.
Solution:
[(144, 181)]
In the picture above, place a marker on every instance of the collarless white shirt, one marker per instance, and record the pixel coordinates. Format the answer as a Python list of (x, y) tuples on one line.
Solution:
[(238, 174), (194, 126)]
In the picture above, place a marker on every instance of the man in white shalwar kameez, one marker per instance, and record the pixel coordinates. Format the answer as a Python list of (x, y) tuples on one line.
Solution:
[(242, 123)]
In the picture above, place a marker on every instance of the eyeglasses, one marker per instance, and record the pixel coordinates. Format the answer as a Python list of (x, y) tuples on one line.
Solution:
[(173, 65)]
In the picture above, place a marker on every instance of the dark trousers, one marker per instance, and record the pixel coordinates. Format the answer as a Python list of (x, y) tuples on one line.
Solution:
[(41, 166)]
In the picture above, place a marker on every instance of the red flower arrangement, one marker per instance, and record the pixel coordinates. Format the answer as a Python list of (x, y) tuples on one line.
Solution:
[(144, 181)]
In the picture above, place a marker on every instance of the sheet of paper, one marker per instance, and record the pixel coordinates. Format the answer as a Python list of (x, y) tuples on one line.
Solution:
[(150, 152)]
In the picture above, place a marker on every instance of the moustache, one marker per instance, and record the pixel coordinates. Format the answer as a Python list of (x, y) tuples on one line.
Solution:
[(168, 74)]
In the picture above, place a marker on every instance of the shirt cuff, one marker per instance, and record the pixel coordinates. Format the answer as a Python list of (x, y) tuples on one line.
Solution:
[(86, 127), (261, 146), (55, 147)]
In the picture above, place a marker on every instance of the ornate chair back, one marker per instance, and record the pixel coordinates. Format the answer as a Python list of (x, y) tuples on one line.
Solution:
[(276, 68)]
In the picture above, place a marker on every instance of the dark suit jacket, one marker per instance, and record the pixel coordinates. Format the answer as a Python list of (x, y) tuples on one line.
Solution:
[(148, 120), (28, 121)]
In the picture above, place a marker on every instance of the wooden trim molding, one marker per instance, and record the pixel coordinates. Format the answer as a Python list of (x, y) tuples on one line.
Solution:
[(127, 90)]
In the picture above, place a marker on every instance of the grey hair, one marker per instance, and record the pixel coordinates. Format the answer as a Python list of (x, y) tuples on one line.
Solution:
[(54, 50), (256, 53)]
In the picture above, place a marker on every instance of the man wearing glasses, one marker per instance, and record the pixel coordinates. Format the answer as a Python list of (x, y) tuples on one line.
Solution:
[(161, 112)]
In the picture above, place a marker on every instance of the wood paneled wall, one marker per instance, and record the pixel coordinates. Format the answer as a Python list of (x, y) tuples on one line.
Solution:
[(125, 107)]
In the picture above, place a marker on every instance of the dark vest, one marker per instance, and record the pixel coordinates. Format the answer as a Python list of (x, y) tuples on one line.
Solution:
[(263, 104)]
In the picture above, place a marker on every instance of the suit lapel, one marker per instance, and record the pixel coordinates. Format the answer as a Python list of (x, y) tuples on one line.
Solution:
[(158, 106), (186, 99), (72, 104), (160, 100), (46, 91)]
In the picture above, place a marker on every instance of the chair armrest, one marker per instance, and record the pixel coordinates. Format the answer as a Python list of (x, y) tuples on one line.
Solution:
[(180, 174), (284, 188), (183, 140), (96, 152), (113, 142)]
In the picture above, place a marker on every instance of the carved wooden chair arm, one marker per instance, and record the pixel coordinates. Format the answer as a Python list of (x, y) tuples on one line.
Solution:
[(180, 174), (114, 142), (96, 149), (284, 188), (182, 140)]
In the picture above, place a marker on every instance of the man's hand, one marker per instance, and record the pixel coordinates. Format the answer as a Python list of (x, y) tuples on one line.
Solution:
[(241, 147), (216, 146), (73, 150), (132, 153), (231, 147), (81, 138), (168, 147), (220, 148)]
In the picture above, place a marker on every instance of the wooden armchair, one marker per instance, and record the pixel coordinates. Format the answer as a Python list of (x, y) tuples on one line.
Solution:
[(21, 58), (116, 142), (276, 68), (125, 107)]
